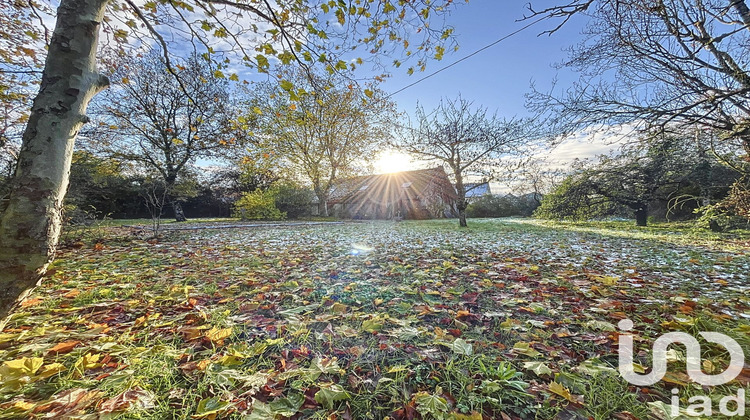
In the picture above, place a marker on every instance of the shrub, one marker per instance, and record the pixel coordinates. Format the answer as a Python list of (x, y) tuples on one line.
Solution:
[(573, 200), (494, 206), (731, 213), (258, 205), (293, 200)]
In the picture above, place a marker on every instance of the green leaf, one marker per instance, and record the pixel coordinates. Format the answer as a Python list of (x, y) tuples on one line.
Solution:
[(286, 57), (341, 65), (538, 367), (594, 367), (460, 346), (261, 411), (525, 349), (210, 406), (369, 93), (600, 325), (262, 61), (373, 325), (431, 404), (320, 366), (330, 394), (287, 406), (340, 16), (286, 85)]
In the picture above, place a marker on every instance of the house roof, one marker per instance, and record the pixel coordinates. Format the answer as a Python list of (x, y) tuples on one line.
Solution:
[(389, 188), (477, 189)]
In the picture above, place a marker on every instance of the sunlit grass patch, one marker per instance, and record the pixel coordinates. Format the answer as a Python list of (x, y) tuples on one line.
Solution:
[(423, 321)]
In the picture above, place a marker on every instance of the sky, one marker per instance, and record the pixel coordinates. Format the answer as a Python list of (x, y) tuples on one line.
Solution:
[(499, 77)]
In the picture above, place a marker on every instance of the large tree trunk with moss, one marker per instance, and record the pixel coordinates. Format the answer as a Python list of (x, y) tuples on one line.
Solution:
[(30, 225)]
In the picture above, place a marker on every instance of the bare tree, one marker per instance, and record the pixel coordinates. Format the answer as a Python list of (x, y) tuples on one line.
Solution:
[(536, 177), (657, 63), (152, 120), (154, 194), (473, 144)]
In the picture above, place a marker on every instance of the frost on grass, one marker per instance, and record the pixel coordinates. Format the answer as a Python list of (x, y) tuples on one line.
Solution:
[(366, 320)]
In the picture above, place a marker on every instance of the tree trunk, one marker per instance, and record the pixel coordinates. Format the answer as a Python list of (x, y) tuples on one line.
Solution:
[(641, 215), (462, 215), (322, 206), (31, 222), (461, 203), (179, 214)]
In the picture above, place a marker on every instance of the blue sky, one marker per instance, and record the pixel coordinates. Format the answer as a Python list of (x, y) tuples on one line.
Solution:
[(499, 77), (496, 78)]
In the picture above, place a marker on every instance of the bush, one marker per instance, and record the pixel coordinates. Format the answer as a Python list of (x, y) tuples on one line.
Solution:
[(293, 200), (494, 206), (573, 200), (258, 205), (731, 213)]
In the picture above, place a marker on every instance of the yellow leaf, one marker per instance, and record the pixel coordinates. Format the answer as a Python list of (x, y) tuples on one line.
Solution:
[(218, 334), (125, 80), (24, 365), (473, 416), (23, 405), (560, 390), (51, 370)]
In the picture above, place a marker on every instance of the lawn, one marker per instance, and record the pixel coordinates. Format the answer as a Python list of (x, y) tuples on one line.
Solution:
[(507, 319)]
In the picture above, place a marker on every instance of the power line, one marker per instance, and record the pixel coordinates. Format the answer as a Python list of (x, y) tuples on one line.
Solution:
[(468, 56)]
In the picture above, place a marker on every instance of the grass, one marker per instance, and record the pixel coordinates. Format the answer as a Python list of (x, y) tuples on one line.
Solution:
[(509, 318)]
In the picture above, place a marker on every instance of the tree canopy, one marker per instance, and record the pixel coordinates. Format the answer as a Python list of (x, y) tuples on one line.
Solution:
[(660, 63)]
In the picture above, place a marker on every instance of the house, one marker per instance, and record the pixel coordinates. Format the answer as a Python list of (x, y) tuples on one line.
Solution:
[(475, 191), (420, 194)]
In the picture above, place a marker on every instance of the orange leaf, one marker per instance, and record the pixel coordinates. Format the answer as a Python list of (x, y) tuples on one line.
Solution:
[(73, 293), (63, 348), (30, 302)]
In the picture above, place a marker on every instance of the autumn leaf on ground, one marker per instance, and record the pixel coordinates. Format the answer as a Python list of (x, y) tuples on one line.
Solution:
[(562, 391), (218, 335), (525, 349), (135, 398), (63, 348), (539, 368)]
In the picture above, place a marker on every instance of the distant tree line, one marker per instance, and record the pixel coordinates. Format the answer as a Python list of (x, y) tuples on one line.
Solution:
[(105, 187), (671, 176)]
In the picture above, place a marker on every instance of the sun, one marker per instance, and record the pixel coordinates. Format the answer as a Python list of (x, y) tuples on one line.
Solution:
[(392, 161)]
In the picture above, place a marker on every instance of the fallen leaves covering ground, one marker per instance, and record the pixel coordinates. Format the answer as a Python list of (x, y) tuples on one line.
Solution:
[(505, 320)]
